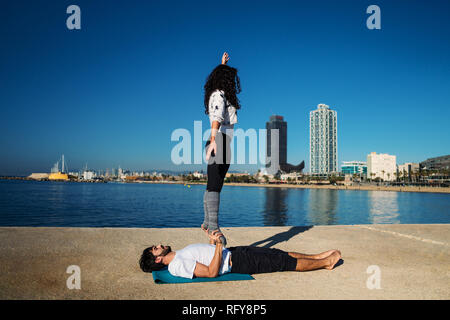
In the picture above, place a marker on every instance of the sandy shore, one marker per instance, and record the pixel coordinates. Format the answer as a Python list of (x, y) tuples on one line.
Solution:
[(311, 186), (301, 186)]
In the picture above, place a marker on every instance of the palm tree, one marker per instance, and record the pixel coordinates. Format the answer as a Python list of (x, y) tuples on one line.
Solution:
[(388, 174), (382, 171)]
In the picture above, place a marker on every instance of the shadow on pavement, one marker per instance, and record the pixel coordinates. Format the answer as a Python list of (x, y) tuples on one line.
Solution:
[(281, 237)]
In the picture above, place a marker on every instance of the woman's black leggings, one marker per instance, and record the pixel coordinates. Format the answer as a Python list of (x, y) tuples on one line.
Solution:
[(219, 163)]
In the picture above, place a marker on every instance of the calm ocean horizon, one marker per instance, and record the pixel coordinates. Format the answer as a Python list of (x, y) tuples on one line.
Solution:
[(135, 205)]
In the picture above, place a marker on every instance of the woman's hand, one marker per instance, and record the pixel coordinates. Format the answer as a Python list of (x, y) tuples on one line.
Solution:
[(225, 58), (215, 236), (212, 147), (211, 241)]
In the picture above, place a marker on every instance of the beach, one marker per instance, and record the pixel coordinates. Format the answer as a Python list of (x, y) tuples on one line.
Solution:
[(312, 186)]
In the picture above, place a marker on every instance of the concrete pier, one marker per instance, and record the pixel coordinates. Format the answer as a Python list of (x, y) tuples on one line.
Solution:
[(413, 263)]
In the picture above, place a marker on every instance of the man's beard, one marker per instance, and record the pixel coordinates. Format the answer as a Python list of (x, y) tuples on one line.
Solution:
[(166, 250)]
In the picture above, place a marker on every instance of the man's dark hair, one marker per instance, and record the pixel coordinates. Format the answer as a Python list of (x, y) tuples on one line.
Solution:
[(147, 261)]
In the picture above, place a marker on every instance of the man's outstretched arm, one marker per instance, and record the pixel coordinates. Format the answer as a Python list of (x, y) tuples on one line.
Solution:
[(211, 271)]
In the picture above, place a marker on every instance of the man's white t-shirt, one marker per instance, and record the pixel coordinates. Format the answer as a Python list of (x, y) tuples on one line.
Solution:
[(183, 264)]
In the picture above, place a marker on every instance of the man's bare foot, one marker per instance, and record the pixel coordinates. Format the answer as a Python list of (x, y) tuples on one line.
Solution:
[(333, 259)]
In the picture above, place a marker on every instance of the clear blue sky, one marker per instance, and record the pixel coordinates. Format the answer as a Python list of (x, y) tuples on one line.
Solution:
[(111, 93)]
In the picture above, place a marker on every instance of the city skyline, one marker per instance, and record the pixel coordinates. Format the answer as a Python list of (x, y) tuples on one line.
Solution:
[(275, 122), (112, 93)]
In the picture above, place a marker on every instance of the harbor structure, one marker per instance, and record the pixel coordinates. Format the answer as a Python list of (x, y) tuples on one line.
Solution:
[(57, 174)]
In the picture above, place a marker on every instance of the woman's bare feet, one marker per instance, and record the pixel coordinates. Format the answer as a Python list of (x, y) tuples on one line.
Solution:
[(333, 258), (205, 229), (223, 240)]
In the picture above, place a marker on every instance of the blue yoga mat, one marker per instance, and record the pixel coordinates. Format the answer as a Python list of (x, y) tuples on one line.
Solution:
[(163, 276)]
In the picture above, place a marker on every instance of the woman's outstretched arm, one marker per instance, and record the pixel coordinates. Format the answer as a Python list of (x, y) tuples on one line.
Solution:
[(225, 58)]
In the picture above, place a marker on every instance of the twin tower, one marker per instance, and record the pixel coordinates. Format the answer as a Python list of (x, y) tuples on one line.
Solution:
[(322, 147), (277, 122)]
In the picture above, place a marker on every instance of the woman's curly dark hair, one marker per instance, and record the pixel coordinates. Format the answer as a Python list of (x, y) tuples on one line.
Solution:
[(224, 78)]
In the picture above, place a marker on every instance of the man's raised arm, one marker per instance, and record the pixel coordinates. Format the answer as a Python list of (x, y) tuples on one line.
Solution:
[(211, 271)]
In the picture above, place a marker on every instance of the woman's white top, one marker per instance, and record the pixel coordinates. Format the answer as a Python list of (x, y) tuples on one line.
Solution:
[(222, 111)]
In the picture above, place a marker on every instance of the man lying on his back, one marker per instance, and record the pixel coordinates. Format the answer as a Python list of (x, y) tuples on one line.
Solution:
[(209, 260)]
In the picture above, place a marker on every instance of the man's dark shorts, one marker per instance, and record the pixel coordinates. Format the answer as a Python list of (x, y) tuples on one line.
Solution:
[(251, 260)]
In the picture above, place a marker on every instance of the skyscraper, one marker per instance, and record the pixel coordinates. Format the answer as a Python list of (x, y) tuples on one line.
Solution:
[(276, 122), (278, 161), (323, 140)]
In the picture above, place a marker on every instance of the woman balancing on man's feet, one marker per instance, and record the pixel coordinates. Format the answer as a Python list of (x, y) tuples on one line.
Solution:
[(221, 105)]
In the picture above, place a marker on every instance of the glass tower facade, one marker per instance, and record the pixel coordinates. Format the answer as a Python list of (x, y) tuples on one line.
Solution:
[(277, 122), (323, 140)]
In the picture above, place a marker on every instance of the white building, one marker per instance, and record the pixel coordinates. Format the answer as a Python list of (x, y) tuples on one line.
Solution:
[(88, 175), (199, 175), (294, 176), (323, 140), (381, 166), (75, 174)]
